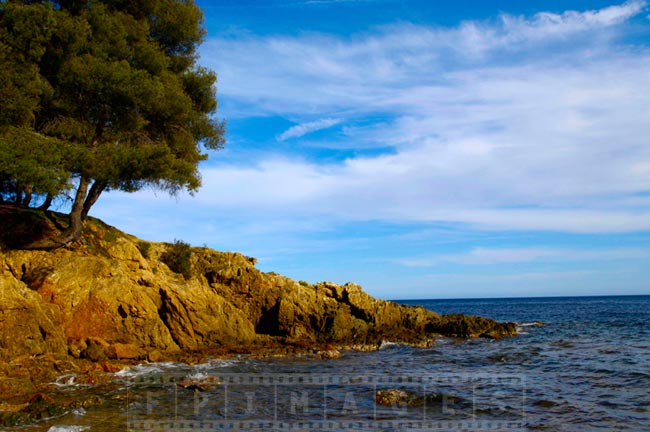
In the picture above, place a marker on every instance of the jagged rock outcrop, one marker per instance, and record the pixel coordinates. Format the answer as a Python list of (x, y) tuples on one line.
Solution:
[(111, 296)]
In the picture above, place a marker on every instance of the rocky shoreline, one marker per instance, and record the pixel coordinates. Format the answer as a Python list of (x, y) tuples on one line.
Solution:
[(112, 300)]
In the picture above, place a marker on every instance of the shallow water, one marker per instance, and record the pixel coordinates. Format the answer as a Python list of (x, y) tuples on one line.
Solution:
[(586, 368)]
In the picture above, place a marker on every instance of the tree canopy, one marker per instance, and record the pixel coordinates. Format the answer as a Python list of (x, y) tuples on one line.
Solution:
[(101, 95)]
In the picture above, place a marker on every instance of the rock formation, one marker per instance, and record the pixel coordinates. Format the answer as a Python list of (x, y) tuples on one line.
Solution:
[(112, 296)]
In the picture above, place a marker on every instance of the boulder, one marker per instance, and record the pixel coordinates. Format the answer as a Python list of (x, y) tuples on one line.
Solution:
[(120, 351), (394, 397), (458, 325)]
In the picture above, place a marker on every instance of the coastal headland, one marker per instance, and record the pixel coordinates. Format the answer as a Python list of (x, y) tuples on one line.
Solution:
[(111, 299)]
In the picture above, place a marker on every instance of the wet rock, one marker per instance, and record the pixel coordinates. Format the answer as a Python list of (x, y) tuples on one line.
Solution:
[(394, 397), (110, 367), (26, 375), (463, 326), (41, 406), (199, 385), (13, 386), (12, 408), (544, 403), (329, 354)]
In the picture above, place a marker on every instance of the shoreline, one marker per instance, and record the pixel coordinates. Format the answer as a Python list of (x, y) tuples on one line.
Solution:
[(112, 299), (51, 396)]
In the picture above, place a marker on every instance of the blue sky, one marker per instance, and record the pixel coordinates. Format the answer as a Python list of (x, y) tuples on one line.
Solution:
[(425, 149)]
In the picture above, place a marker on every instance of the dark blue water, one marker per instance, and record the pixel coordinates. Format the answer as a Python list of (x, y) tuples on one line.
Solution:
[(586, 368)]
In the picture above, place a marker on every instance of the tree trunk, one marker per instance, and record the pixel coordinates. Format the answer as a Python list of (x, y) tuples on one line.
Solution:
[(73, 232), (76, 222), (19, 193), (27, 198), (47, 203), (95, 191)]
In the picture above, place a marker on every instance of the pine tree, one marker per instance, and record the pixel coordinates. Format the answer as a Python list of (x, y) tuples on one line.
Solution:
[(103, 95)]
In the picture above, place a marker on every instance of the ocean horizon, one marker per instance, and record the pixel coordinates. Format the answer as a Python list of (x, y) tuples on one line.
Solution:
[(517, 297)]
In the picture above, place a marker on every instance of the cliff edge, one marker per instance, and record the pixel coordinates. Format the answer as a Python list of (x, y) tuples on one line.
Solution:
[(114, 296)]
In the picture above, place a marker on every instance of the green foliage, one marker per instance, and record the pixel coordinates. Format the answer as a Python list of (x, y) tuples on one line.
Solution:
[(110, 235), (26, 156), (24, 35), (144, 248), (31, 158), (303, 283), (177, 257), (106, 91)]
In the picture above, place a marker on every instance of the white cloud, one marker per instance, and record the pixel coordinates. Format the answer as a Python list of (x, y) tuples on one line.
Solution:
[(302, 129), (317, 73), (541, 140), (547, 25), (492, 256), (484, 133)]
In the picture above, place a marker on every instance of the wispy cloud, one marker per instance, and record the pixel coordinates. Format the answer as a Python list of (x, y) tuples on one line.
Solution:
[(492, 256), (302, 129), (318, 72), (541, 139), (547, 26), (516, 130)]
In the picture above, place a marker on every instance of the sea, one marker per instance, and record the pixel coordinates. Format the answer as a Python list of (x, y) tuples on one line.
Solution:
[(578, 364)]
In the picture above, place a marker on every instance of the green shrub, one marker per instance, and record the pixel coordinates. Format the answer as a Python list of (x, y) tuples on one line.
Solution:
[(144, 248), (177, 258), (110, 236)]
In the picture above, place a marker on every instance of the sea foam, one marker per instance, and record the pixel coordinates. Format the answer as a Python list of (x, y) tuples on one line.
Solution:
[(68, 428)]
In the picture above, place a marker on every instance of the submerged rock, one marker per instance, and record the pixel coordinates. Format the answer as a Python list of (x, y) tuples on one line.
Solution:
[(329, 354), (199, 384), (41, 406), (394, 397), (544, 403)]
